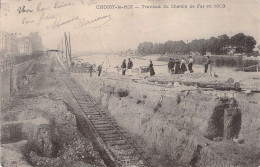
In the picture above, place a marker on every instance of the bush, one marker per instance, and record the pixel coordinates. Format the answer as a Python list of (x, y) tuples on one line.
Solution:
[(122, 93)]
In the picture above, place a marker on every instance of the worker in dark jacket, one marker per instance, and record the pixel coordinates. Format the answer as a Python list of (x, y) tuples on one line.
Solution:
[(90, 70), (151, 68), (183, 66), (177, 66), (190, 64), (171, 65), (123, 66), (207, 65), (129, 64), (100, 69)]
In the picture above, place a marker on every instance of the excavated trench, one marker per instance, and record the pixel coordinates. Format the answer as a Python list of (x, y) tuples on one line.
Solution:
[(184, 128), (216, 123)]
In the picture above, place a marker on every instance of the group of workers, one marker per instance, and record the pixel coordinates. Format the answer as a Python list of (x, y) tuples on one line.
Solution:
[(129, 66), (179, 67), (99, 69), (123, 66), (174, 66)]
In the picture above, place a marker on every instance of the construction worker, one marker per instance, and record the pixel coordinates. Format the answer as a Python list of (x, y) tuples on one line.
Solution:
[(177, 67), (100, 69), (90, 70), (190, 64), (152, 73), (207, 65), (183, 66), (129, 64), (171, 65), (123, 66)]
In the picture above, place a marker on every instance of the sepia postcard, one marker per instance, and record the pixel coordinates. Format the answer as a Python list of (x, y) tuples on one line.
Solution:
[(130, 83)]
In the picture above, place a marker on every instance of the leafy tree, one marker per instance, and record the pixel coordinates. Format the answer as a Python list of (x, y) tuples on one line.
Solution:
[(238, 42), (243, 43), (179, 47), (217, 46), (194, 46), (168, 46), (224, 42), (249, 43), (213, 45), (145, 48)]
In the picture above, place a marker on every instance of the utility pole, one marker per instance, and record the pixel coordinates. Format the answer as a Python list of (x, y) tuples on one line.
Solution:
[(24, 48), (69, 48), (66, 47), (65, 38), (62, 48), (26, 44)]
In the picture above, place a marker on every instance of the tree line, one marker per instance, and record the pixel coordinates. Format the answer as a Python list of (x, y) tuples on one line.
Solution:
[(220, 45)]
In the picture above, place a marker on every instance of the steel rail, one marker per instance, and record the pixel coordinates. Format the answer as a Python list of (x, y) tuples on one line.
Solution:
[(98, 110)]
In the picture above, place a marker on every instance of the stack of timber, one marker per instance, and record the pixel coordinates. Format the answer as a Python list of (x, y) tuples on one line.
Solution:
[(144, 69), (218, 86), (253, 68)]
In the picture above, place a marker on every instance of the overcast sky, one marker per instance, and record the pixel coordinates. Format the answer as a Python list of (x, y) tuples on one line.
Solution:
[(116, 30)]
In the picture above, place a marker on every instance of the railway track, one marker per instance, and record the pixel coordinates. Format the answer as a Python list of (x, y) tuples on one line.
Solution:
[(106, 130)]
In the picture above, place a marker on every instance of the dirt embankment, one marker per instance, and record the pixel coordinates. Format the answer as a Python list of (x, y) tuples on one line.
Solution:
[(179, 124), (38, 128)]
